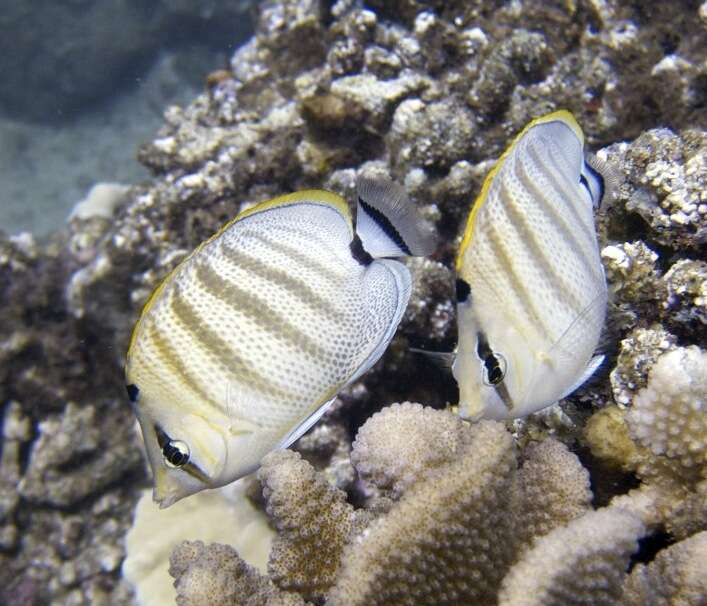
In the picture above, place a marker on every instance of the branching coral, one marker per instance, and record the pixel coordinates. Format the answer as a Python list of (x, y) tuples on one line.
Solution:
[(313, 522), (582, 563), (675, 578), (460, 514), (156, 532), (217, 576), (670, 416), (455, 530), (553, 489), (663, 439), (432, 438)]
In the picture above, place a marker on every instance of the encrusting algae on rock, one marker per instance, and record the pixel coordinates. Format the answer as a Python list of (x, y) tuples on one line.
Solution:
[(318, 94)]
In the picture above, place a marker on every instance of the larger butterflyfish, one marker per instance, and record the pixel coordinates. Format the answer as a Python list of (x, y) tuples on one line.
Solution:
[(531, 291), (247, 342)]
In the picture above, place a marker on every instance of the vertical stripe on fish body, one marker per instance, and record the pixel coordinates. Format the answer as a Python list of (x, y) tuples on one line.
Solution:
[(535, 291), (245, 344)]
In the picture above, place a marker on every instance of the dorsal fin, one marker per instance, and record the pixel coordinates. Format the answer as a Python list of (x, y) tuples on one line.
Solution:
[(387, 222), (606, 175)]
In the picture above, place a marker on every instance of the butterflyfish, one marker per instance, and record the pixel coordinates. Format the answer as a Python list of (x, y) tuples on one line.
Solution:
[(247, 342), (531, 290)]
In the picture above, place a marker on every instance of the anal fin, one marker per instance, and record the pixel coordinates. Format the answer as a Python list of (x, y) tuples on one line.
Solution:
[(591, 368)]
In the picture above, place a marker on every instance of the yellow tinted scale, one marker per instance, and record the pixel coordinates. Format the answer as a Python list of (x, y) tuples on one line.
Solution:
[(560, 116), (314, 195)]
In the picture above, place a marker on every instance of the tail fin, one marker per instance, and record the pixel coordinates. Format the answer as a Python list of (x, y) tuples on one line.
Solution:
[(388, 223)]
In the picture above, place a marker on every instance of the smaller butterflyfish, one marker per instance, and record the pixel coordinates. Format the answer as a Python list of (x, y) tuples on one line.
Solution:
[(247, 342), (531, 290)]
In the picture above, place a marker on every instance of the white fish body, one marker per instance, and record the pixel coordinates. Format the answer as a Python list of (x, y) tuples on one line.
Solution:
[(531, 288), (245, 343)]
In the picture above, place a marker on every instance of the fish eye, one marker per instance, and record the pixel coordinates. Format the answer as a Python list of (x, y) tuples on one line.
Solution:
[(175, 453), (494, 368)]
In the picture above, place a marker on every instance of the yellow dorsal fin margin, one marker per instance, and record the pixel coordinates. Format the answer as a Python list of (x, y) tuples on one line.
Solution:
[(558, 116)]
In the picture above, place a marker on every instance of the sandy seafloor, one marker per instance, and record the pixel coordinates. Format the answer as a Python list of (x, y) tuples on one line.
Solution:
[(46, 169)]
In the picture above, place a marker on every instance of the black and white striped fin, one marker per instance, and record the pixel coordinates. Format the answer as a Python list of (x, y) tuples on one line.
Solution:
[(600, 178), (388, 223)]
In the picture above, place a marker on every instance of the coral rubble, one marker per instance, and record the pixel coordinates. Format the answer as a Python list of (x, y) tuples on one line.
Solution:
[(426, 509)]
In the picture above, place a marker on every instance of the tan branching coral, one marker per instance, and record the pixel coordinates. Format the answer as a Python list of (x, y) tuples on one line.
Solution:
[(663, 439), (313, 521), (553, 489), (670, 416), (467, 524), (582, 563), (432, 438), (217, 576), (225, 515), (455, 531), (675, 578)]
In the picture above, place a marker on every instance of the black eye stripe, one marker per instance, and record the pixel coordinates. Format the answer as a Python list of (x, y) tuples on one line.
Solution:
[(162, 437), (495, 372), (583, 181), (482, 346)]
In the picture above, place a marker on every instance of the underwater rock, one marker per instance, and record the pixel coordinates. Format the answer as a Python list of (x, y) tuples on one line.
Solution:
[(76, 456), (436, 134), (16, 430), (667, 176), (634, 279), (638, 353), (520, 58), (100, 201), (686, 304)]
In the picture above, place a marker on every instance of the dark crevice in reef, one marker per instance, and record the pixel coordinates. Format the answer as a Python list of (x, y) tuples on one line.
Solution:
[(648, 548)]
